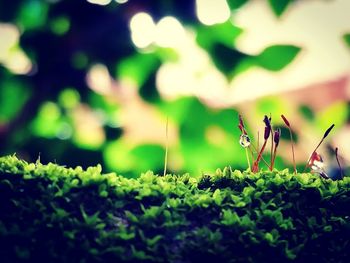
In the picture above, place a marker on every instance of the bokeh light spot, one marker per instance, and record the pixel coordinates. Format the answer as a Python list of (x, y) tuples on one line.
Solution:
[(79, 60), (60, 25), (211, 12), (69, 98), (9, 38), (169, 32), (46, 123), (142, 29), (98, 79), (11, 56), (64, 131), (50, 110), (99, 2), (32, 14), (89, 133)]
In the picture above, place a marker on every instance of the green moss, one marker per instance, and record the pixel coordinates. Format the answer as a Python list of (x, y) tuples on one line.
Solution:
[(50, 213)]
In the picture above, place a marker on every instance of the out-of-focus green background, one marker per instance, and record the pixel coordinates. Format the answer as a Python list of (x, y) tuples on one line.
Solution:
[(87, 82)]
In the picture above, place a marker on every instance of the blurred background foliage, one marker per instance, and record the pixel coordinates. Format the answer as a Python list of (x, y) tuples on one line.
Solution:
[(87, 82)]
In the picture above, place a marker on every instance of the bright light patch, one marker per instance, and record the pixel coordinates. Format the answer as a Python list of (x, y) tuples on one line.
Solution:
[(315, 26), (121, 1), (211, 12), (99, 2), (11, 56), (142, 29), (178, 79), (254, 83), (18, 62), (50, 111), (69, 98), (174, 80), (88, 132), (212, 87), (192, 74), (98, 79), (169, 32), (9, 38)]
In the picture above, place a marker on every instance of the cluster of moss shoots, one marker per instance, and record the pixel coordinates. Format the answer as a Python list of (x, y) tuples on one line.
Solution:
[(57, 214), (315, 161)]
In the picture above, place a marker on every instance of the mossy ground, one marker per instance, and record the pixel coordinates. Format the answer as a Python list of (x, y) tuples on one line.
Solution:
[(50, 213)]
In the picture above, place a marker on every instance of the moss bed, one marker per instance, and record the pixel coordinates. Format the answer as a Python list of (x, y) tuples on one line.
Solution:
[(50, 213)]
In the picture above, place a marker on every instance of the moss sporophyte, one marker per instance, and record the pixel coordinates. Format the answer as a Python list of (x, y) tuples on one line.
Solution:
[(315, 161), (56, 214)]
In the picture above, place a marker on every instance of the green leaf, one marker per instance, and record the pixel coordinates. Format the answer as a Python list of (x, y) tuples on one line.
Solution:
[(306, 112), (247, 191), (277, 57), (226, 58), (153, 241), (103, 193), (241, 204), (60, 213), (124, 235), (218, 40), (346, 38), (269, 237), (279, 6), (260, 182), (151, 213), (229, 218), (328, 228), (235, 4), (246, 222), (90, 220), (224, 33), (139, 254)]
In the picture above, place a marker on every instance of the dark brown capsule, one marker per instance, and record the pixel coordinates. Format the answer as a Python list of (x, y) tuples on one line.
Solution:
[(267, 121), (285, 120), (276, 137), (267, 132), (328, 131)]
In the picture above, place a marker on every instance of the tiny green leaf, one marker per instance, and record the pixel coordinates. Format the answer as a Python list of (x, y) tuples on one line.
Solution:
[(217, 197), (269, 237), (131, 216)]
